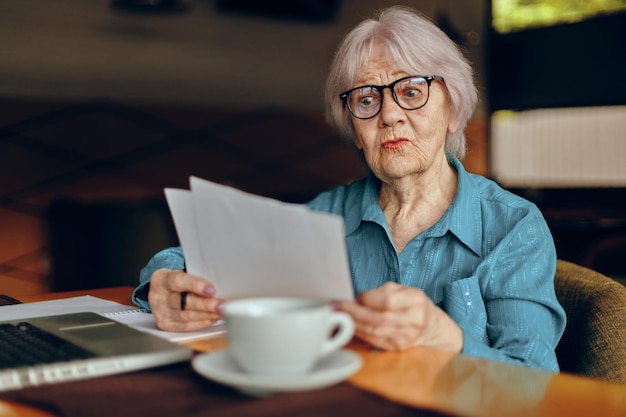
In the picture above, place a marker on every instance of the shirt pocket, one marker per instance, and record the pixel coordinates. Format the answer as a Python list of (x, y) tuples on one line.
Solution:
[(463, 302)]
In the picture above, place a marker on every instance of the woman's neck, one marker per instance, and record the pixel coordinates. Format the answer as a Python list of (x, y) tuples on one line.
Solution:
[(415, 203)]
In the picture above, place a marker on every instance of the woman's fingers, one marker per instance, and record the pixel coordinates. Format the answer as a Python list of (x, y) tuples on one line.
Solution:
[(392, 296), (182, 302), (179, 281), (180, 321), (194, 302), (391, 317), (385, 329)]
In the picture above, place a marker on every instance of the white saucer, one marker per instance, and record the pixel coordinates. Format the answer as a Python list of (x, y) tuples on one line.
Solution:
[(220, 367)]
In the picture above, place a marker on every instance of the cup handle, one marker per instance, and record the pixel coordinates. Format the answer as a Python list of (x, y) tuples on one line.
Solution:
[(344, 334)]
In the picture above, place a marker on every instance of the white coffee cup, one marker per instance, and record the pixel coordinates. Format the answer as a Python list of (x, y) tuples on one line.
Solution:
[(283, 335)]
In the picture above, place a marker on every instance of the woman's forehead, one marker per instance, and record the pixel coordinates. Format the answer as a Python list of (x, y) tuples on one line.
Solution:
[(380, 63)]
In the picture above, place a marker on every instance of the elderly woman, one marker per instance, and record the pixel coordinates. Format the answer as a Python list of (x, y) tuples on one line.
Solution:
[(439, 257)]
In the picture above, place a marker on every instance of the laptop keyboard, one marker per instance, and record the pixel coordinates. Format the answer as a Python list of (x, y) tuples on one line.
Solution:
[(24, 344)]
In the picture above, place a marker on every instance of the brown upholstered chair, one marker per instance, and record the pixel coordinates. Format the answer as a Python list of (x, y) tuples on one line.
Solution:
[(594, 343)]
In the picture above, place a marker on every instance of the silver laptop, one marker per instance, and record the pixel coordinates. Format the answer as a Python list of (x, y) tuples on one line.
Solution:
[(52, 349)]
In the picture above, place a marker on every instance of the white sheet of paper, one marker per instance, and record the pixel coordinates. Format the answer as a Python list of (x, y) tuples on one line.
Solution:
[(251, 246), (181, 207)]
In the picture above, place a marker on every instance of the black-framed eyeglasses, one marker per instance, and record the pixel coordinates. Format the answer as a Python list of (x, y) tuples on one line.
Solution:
[(410, 93)]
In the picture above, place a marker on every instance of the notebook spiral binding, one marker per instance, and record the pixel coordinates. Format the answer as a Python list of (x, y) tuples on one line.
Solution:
[(123, 312)]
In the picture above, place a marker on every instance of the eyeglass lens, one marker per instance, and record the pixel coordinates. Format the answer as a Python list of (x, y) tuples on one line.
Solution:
[(410, 93)]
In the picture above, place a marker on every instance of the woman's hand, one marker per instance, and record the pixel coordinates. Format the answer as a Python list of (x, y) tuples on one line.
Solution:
[(199, 308), (396, 317)]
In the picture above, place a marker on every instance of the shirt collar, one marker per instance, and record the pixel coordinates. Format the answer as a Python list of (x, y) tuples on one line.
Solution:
[(464, 217), (369, 208)]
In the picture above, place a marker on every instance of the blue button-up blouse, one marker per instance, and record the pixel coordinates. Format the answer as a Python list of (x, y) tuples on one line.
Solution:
[(489, 263)]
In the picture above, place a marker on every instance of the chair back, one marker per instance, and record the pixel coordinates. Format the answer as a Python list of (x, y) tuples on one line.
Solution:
[(594, 342)]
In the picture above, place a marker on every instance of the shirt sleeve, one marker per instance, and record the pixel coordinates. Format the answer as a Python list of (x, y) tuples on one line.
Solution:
[(170, 258), (509, 311)]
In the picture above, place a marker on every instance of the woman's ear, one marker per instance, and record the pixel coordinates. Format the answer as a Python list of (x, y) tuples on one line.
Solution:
[(453, 124), (357, 143), (453, 119), (357, 140)]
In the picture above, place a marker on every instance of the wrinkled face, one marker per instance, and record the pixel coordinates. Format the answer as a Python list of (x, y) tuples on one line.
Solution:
[(398, 142)]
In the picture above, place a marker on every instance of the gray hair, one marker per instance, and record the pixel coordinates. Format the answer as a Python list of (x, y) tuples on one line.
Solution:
[(419, 47)]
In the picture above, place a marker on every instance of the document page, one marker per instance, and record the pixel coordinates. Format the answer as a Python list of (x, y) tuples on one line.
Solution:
[(251, 246)]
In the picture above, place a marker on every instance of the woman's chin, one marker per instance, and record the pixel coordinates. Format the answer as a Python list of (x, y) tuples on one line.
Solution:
[(396, 172)]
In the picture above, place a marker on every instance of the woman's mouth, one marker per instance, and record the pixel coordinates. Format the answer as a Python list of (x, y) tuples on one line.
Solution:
[(394, 143)]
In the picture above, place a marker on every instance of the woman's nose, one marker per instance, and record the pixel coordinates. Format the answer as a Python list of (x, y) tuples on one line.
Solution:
[(390, 113)]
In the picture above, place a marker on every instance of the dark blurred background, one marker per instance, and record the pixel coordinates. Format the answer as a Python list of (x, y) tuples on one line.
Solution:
[(103, 103)]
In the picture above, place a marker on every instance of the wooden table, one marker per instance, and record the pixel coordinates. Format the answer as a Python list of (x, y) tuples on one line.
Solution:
[(443, 383)]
